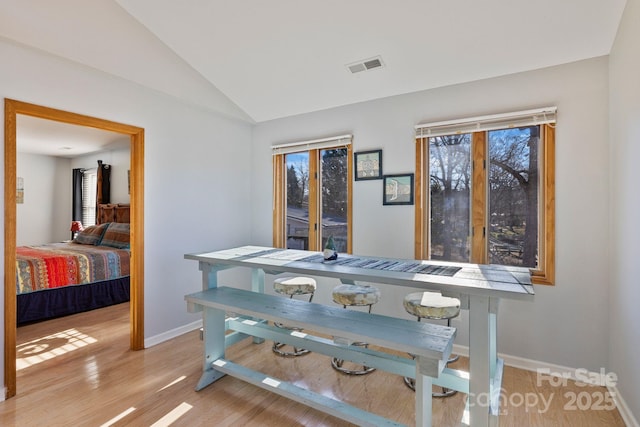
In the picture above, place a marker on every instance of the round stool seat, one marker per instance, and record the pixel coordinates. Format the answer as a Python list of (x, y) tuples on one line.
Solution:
[(294, 285), (431, 305), (355, 295)]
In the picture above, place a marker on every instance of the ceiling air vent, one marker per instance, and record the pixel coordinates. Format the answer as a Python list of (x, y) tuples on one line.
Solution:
[(365, 65)]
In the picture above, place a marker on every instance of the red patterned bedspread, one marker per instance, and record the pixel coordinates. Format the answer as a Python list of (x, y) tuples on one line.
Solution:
[(61, 264)]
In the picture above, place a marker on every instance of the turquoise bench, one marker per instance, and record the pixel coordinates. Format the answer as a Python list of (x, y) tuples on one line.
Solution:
[(247, 313)]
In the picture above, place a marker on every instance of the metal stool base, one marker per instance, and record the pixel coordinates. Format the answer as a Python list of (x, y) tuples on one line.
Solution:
[(277, 349), (277, 346), (337, 365), (446, 392)]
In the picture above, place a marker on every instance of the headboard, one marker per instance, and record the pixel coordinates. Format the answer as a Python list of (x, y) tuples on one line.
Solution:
[(113, 212)]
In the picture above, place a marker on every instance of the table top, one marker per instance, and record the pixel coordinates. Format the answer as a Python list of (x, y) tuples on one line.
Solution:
[(448, 277)]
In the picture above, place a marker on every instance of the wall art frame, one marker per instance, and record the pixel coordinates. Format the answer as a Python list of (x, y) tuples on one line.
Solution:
[(368, 165), (397, 189)]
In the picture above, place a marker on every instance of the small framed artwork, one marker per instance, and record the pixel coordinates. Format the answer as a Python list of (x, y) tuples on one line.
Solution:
[(19, 190), (368, 164), (397, 189)]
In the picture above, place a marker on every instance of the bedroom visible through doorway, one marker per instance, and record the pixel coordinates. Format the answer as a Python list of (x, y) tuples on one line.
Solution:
[(136, 136)]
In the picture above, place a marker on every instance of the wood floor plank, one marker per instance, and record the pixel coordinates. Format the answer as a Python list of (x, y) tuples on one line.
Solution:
[(79, 371)]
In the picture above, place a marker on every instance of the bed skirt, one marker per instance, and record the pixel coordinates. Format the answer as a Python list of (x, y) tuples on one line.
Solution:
[(50, 303)]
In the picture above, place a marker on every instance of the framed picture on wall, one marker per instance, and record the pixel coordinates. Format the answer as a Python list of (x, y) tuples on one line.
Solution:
[(397, 189), (19, 190), (368, 164)]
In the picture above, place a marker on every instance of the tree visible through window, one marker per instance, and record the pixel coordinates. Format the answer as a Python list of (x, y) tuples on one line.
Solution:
[(490, 197), (450, 190), (335, 197), (297, 202), (312, 198), (513, 196)]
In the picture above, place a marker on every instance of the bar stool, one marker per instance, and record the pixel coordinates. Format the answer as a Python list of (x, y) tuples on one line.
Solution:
[(354, 295), (292, 286), (433, 306)]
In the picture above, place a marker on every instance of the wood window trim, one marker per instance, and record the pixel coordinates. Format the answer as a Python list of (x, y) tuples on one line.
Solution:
[(546, 276), (314, 199), (479, 196), (279, 199), (542, 276), (279, 240)]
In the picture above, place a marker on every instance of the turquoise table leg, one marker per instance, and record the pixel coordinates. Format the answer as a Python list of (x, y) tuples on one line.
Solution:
[(479, 361), (257, 285)]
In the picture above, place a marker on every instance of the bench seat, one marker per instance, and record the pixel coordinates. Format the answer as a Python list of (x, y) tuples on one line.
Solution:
[(431, 344)]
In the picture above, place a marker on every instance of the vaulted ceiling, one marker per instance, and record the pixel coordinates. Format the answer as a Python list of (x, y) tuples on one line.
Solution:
[(259, 60)]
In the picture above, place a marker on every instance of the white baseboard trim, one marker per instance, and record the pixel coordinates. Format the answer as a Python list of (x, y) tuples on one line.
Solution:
[(595, 378), (165, 336), (626, 414)]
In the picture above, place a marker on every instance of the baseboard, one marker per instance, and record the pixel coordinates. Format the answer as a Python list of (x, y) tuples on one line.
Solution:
[(173, 333), (461, 350), (626, 414), (595, 378)]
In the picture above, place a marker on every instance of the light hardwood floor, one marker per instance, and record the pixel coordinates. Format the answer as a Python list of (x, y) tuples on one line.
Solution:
[(78, 371)]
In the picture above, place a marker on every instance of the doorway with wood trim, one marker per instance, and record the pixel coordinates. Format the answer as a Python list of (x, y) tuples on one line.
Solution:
[(12, 108)]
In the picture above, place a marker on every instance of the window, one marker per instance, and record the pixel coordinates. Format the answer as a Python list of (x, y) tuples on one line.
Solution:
[(312, 194), (89, 184), (485, 191)]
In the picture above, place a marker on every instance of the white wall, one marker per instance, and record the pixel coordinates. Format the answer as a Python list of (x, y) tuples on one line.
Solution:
[(624, 315), (45, 215), (197, 169), (567, 324)]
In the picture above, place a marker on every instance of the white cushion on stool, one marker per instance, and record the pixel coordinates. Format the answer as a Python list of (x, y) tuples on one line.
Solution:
[(431, 305), (356, 294), (294, 285)]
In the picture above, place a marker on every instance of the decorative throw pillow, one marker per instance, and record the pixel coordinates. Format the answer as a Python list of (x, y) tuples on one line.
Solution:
[(91, 235), (116, 236)]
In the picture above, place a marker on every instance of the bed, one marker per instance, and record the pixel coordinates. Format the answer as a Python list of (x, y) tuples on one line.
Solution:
[(89, 272)]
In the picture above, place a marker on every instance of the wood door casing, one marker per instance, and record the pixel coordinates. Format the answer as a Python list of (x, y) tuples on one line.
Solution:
[(12, 108)]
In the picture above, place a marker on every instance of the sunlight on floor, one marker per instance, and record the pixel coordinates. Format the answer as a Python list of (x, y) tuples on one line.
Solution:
[(117, 418), (172, 416), (465, 416), (162, 422), (91, 371), (46, 348), (176, 381)]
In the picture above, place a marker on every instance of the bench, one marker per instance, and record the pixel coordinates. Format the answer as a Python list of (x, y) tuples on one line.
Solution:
[(248, 314)]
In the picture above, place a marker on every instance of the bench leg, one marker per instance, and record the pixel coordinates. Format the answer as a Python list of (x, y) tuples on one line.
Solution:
[(423, 400), (214, 345)]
